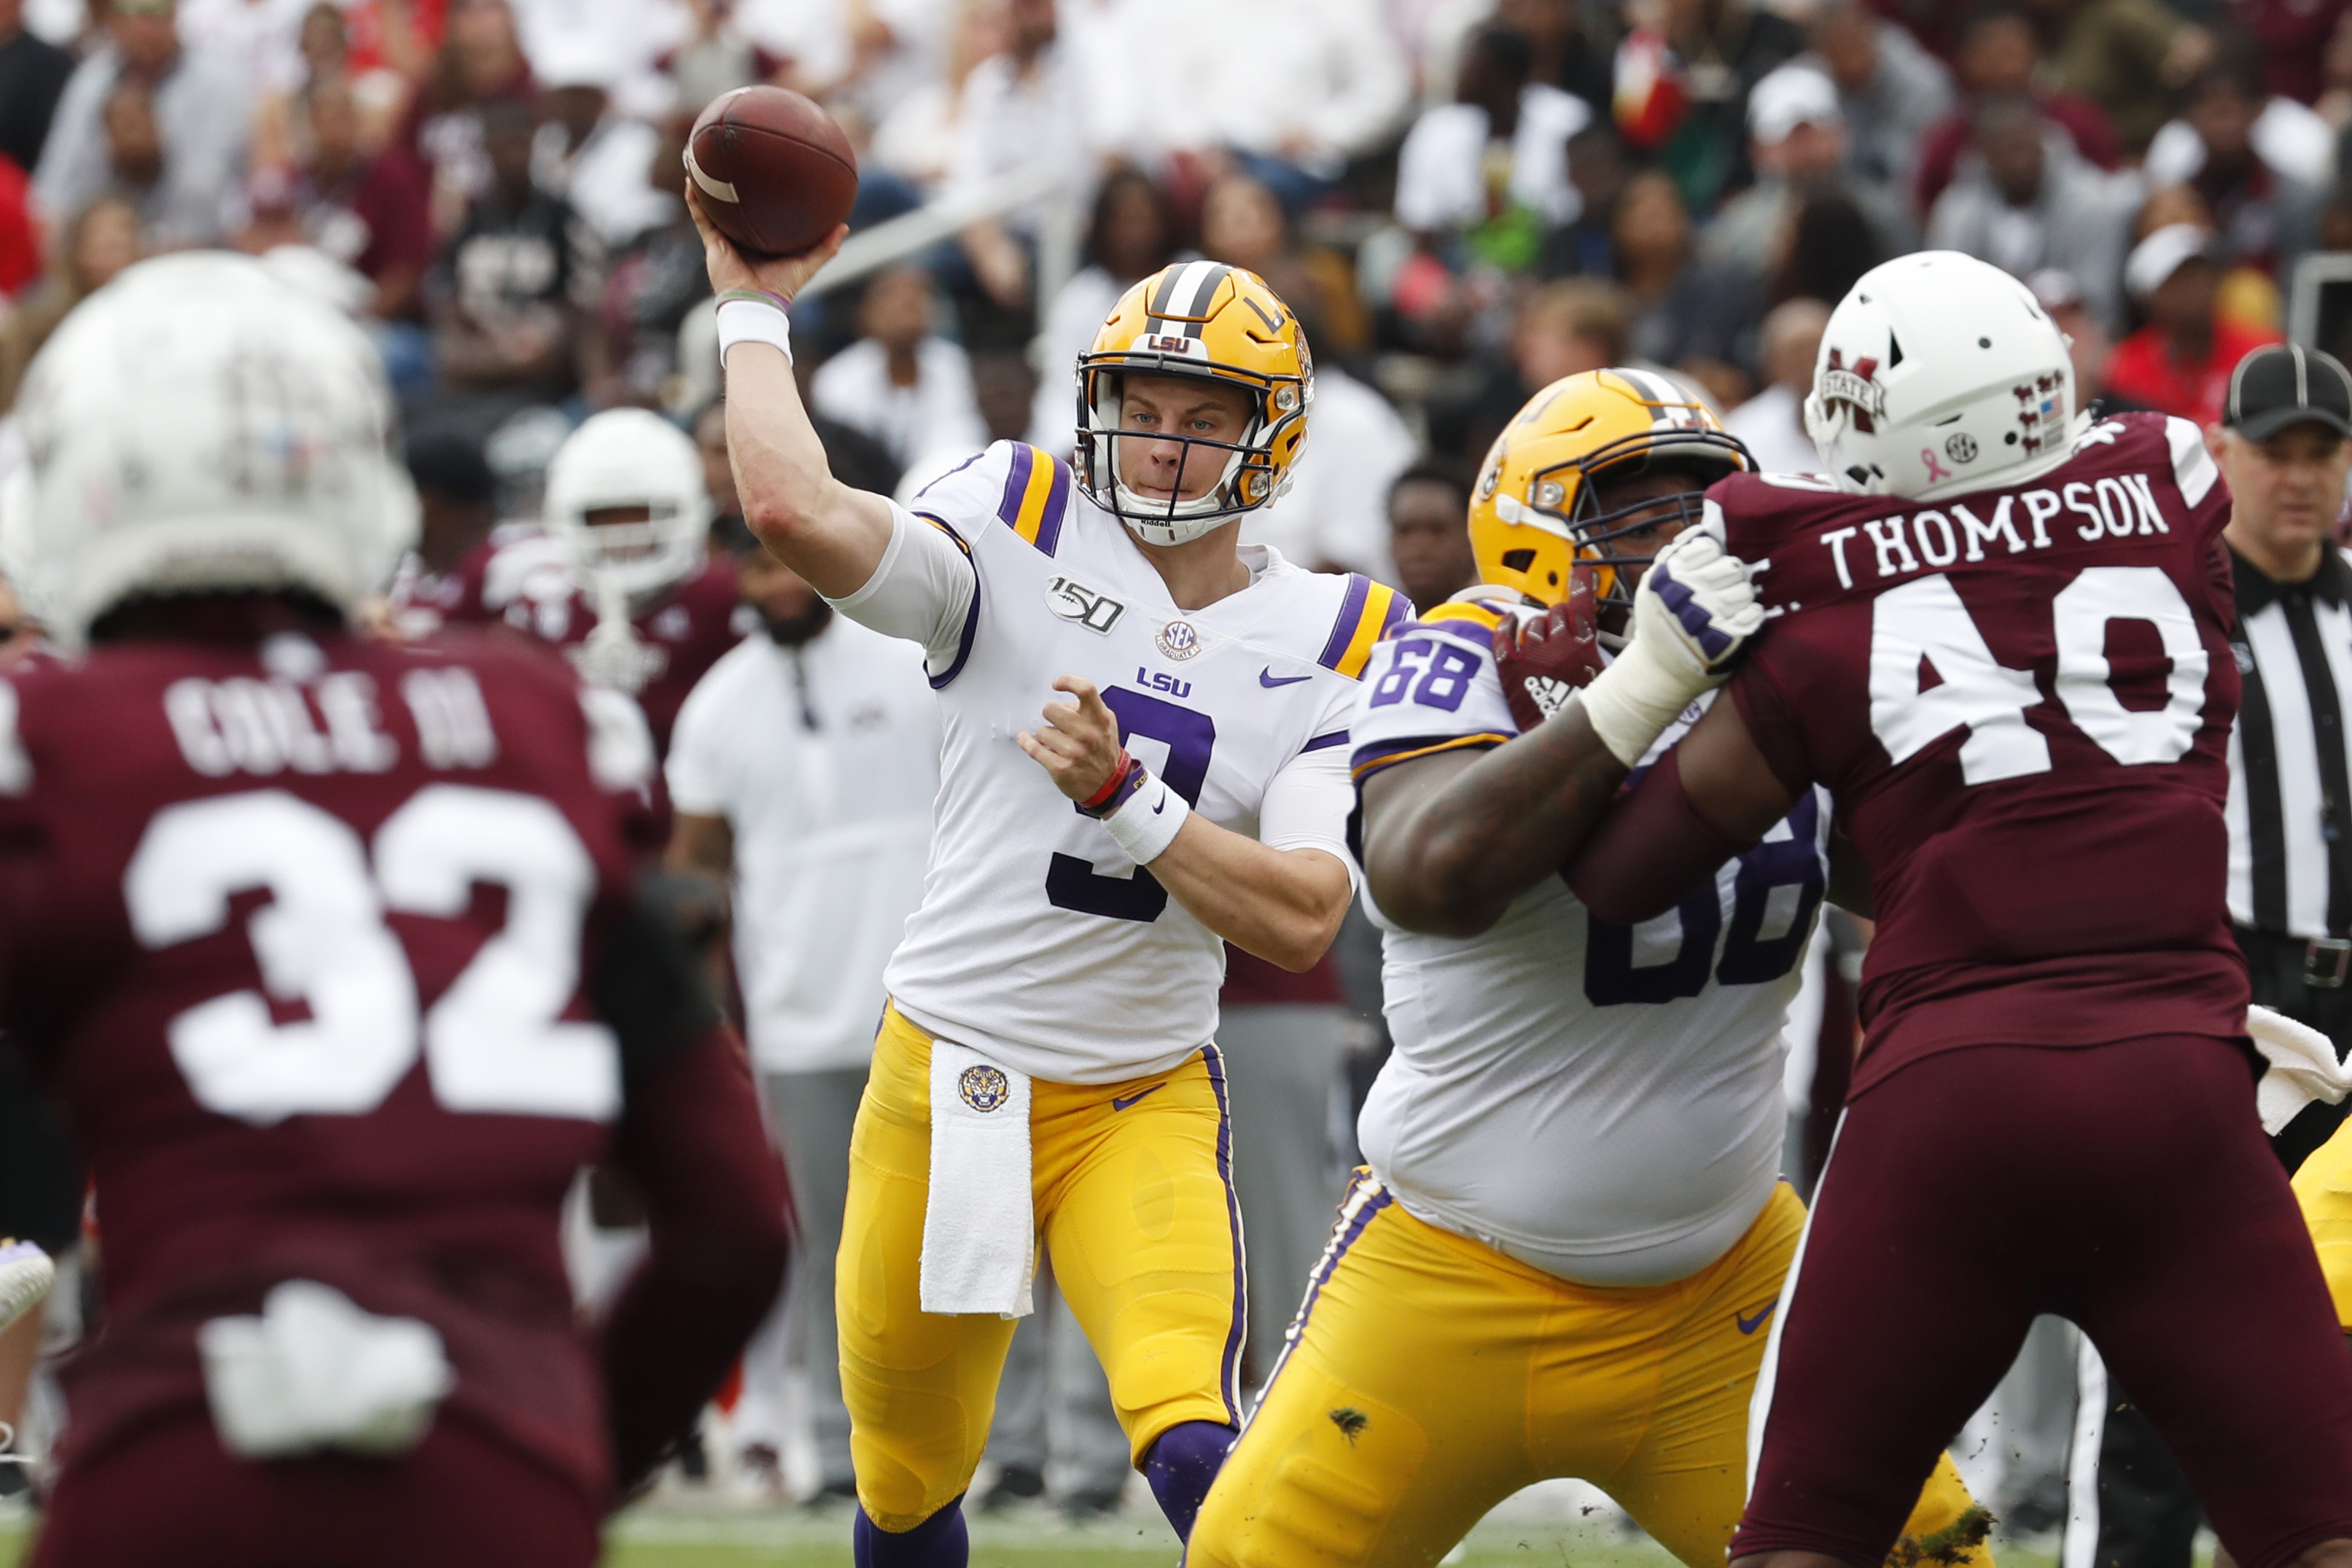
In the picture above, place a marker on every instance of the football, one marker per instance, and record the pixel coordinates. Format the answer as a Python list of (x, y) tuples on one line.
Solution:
[(775, 173)]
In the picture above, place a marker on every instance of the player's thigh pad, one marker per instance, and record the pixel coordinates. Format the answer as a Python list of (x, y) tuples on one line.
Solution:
[(1398, 1413), (920, 1387), (1135, 1197)]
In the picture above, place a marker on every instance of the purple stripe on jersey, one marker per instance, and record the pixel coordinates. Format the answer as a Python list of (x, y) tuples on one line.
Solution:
[(1058, 502), (1016, 483), (1399, 608), (1229, 1372), (1337, 737), (1352, 610), (971, 614)]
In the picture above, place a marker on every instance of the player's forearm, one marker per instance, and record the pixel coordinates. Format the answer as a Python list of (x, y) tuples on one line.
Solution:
[(1449, 844), (1284, 905), (827, 532)]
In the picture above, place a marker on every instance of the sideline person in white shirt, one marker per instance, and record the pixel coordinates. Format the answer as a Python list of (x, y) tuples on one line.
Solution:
[(901, 382), (803, 769)]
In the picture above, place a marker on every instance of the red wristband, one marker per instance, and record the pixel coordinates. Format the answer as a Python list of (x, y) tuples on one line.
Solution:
[(1118, 772)]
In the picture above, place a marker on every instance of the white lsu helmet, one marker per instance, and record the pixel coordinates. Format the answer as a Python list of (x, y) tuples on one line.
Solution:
[(630, 457), (197, 426), (1939, 374)]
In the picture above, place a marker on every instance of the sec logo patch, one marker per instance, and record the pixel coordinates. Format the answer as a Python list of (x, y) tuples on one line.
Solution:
[(1177, 640), (984, 1088)]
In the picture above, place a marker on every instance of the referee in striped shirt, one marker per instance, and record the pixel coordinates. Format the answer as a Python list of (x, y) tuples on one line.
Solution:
[(2285, 443)]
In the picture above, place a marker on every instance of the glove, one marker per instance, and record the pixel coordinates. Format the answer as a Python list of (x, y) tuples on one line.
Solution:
[(1692, 617), (1541, 660)]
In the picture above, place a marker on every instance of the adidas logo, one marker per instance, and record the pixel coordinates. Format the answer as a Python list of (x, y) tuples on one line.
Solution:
[(1548, 695)]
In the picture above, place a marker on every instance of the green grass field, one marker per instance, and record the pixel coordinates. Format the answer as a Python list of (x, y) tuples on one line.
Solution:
[(662, 1538)]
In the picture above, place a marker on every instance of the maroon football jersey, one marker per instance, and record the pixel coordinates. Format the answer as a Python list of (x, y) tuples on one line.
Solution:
[(297, 935), (2022, 701), (525, 579)]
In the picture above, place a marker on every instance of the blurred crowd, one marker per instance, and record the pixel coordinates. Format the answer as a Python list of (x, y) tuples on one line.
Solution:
[(1463, 199)]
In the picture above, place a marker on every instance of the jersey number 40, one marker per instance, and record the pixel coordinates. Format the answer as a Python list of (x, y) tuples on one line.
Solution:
[(494, 1041)]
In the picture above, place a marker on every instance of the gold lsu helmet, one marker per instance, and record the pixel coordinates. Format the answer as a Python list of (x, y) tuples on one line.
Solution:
[(1536, 517), (1218, 323)]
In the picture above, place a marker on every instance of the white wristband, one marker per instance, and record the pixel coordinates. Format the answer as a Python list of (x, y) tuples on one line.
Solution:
[(1147, 823), (1632, 702), (753, 320)]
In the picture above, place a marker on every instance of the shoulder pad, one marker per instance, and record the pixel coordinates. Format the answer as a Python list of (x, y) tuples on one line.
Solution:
[(1368, 611)]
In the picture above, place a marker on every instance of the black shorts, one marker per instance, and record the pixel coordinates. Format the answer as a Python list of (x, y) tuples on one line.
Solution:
[(2127, 1188)]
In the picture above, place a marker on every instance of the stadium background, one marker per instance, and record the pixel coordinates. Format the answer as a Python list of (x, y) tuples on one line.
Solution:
[(1464, 200)]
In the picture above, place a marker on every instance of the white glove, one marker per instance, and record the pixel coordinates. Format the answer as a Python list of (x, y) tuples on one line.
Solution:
[(1693, 616)]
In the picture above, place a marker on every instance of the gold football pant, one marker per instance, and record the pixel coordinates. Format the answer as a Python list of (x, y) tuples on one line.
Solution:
[(1135, 1206), (2323, 1185), (1428, 1377)]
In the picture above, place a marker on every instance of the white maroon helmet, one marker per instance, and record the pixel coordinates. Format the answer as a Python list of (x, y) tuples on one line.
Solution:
[(630, 457), (1939, 374), (197, 426)]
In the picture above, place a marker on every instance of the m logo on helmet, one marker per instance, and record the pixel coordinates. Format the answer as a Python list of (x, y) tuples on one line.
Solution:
[(1857, 387)]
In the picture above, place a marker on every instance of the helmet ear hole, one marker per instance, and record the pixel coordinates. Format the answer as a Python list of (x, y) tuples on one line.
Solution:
[(1520, 560)]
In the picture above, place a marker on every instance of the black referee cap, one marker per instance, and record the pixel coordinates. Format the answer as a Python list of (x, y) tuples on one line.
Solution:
[(2286, 385)]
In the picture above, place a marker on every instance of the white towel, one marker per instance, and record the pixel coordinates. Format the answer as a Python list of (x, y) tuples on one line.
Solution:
[(317, 1371), (979, 1222), (2303, 1067)]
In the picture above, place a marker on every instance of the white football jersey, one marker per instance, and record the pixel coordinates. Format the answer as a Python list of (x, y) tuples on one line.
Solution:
[(1039, 943), (1600, 1101)]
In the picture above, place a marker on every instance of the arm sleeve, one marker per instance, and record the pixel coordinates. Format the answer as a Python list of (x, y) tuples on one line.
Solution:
[(926, 590), (1307, 804)]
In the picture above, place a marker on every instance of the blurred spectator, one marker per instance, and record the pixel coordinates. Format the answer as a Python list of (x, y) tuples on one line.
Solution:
[(1890, 89), (101, 240), (1493, 166), (901, 382), (2333, 102), (33, 75), (1021, 108), (457, 499), (200, 111), (1826, 246), (1685, 312), (716, 55), (2088, 342), (20, 237), (1772, 422), (1575, 324), (1726, 48), (1006, 389), (1597, 167), (2261, 163), (2026, 201), (1335, 85), (2180, 362), (1132, 236), (1429, 532), (514, 296), (1568, 52), (368, 214), (2000, 56), (657, 278), (2295, 36), (1241, 225), (259, 40), (1796, 139), (918, 139), (480, 62), (2129, 56), (1333, 518), (594, 158), (856, 458)]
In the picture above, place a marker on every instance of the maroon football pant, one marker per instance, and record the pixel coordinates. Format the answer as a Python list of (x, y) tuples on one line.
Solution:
[(2127, 1188), (175, 1496)]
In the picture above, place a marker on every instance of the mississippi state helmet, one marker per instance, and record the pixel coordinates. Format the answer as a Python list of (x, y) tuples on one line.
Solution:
[(628, 459), (197, 426), (1536, 516), (1939, 374), (1217, 323)]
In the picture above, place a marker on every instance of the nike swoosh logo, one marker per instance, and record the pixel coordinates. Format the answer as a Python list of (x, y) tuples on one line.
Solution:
[(1160, 807), (1269, 679), (1116, 1104), (1749, 1325)]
